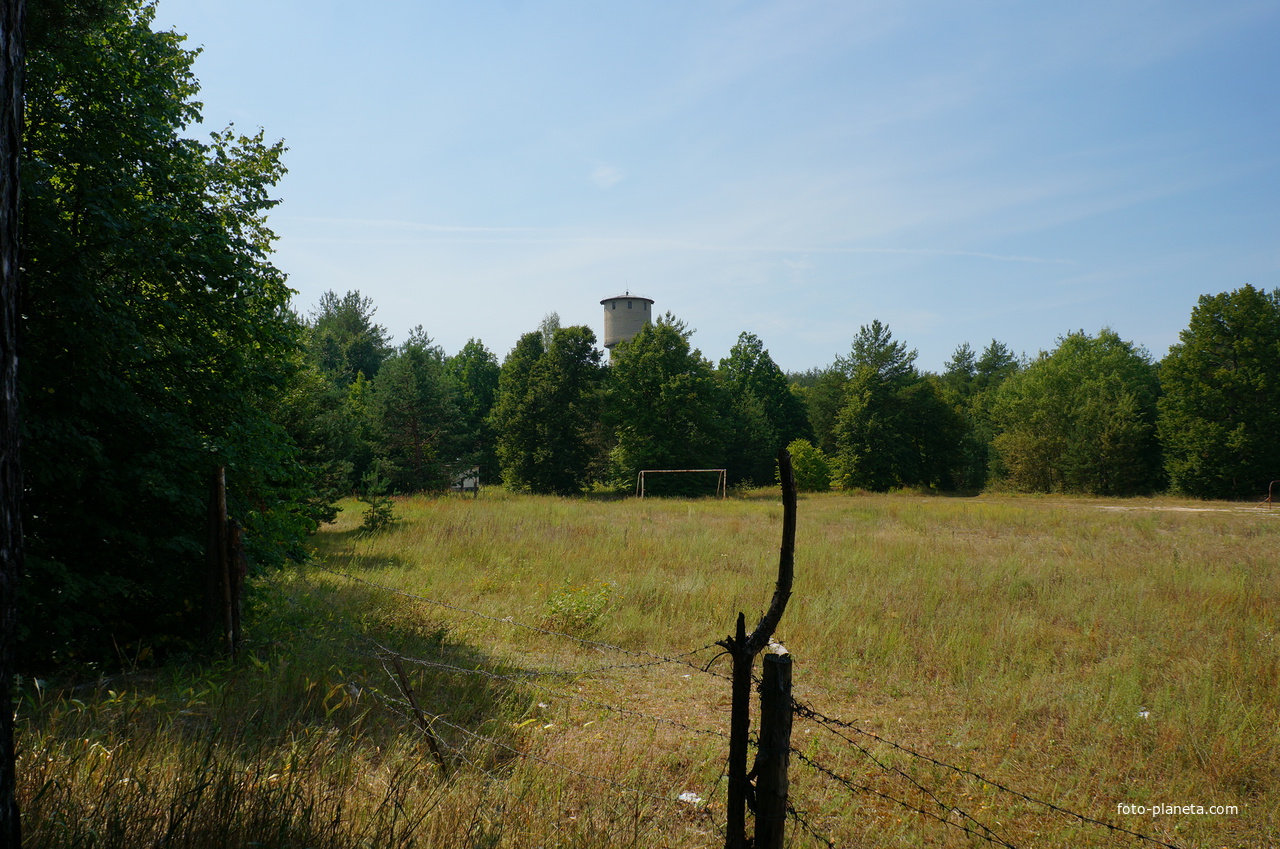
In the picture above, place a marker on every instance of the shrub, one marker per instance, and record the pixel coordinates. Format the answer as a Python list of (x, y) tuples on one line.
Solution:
[(810, 466), (579, 610)]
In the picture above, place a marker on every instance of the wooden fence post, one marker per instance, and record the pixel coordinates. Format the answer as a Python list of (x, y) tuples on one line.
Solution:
[(237, 570), (220, 597), (743, 648), (424, 724), (214, 570), (774, 753), (739, 731)]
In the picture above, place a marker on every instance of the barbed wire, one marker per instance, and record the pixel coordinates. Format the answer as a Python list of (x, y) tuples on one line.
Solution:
[(912, 780), (676, 659), (557, 693), (529, 756), (986, 835), (800, 708), (403, 707), (809, 712), (801, 821), (655, 659)]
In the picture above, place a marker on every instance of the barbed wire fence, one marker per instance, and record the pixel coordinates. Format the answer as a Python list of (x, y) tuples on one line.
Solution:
[(933, 806), (877, 778), (459, 742)]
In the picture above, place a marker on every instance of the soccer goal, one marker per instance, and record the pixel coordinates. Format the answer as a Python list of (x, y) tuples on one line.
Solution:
[(722, 489)]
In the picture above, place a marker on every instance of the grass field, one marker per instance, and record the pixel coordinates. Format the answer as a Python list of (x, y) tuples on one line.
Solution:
[(1089, 653)]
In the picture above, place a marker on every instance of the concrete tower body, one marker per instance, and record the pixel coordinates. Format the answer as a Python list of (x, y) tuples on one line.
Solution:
[(624, 315)]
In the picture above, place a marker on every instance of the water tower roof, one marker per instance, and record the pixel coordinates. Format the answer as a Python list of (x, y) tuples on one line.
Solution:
[(627, 297)]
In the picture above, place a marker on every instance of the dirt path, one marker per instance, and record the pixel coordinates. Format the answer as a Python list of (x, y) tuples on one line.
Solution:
[(1258, 510)]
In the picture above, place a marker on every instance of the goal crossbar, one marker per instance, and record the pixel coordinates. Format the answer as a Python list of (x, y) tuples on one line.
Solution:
[(722, 489)]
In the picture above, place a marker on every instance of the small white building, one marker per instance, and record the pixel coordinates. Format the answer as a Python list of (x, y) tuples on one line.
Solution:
[(466, 480)]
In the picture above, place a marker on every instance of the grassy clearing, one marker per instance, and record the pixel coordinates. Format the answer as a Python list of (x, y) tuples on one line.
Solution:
[(1082, 654)]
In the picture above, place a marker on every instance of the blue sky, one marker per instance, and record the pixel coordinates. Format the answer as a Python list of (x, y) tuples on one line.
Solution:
[(960, 171)]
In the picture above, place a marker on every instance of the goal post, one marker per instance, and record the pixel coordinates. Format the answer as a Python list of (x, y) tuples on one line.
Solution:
[(722, 489)]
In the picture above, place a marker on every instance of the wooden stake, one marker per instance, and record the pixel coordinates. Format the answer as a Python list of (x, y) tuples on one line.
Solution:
[(419, 714), (218, 617), (774, 753), (237, 571), (743, 648), (739, 731)]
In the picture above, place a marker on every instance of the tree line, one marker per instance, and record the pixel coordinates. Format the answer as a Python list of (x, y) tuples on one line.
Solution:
[(159, 343), (1096, 414), (552, 418)]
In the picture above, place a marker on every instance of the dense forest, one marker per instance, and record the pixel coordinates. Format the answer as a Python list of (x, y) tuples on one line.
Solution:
[(160, 343)]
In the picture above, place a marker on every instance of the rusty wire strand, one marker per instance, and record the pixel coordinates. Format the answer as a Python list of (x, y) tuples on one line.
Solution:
[(803, 822), (862, 788), (655, 659), (555, 692), (809, 712), (912, 780), (403, 707)]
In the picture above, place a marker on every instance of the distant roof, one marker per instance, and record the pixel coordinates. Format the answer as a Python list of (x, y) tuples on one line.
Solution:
[(627, 297)]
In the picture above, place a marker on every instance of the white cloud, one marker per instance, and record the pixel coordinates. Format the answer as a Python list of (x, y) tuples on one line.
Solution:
[(606, 176)]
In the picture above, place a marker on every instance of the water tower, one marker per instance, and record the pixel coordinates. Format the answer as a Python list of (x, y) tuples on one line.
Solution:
[(624, 315)]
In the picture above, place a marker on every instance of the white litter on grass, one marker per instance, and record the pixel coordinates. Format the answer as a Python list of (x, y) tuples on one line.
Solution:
[(690, 798), (1143, 713)]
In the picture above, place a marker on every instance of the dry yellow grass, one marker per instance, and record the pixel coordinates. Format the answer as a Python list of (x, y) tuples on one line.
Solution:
[(1091, 653)]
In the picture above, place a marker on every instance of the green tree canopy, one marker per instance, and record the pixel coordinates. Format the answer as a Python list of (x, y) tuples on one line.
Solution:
[(1220, 413), (157, 336), (548, 412), (996, 364), (344, 340), (767, 414), (894, 432), (960, 370), (892, 427), (823, 393), (749, 368), (415, 416), (510, 419), (874, 348), (968, 385), (810, 466), (548, 326), (475, 371), (1081, 419), (331, 432), (665, 406)]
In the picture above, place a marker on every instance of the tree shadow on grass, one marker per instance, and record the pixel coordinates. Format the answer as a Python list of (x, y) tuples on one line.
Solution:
[(278, 746), (353, 562), (356, 628)]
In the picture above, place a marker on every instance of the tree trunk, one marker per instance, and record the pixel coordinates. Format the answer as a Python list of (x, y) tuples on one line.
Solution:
[(11, 77)]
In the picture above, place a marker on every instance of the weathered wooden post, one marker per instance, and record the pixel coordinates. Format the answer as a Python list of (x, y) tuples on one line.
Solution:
[(12, 51), (219, 619), (238, 570), (424, 725), (774, 752), (743, 648), (739, 731)]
